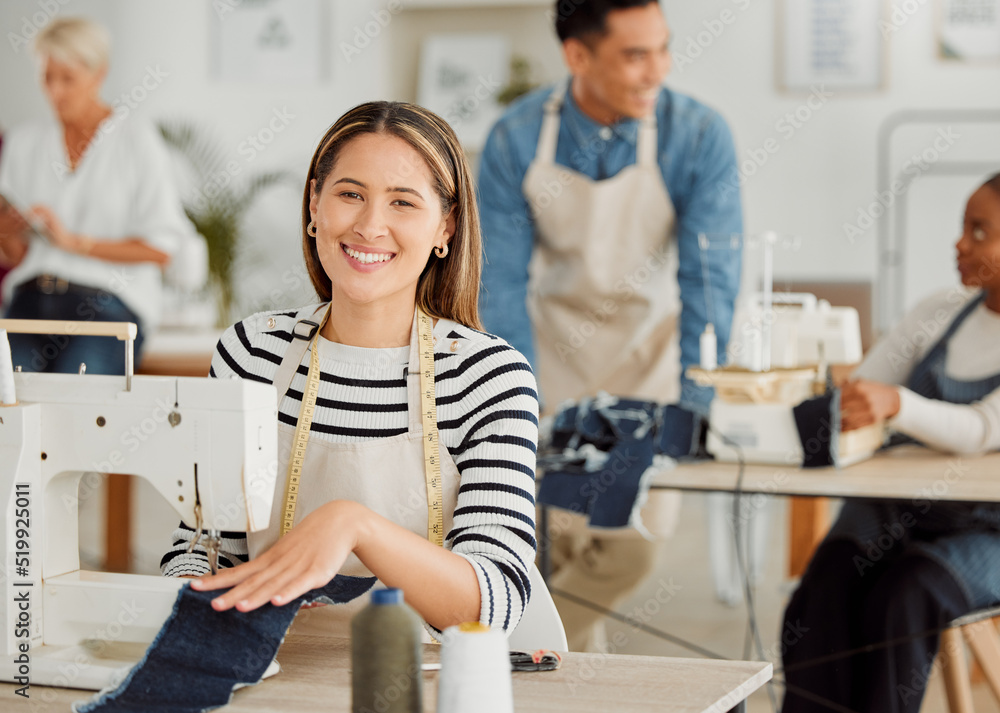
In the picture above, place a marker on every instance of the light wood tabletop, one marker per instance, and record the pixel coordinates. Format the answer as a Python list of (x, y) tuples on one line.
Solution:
[(316, 676), (907, 472)]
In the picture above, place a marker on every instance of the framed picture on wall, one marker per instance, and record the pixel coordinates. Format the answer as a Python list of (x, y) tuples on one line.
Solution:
[(460, 78), (969, 30), (836, 44), (268, 41)]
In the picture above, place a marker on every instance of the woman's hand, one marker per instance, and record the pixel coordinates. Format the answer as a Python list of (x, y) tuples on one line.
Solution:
[(59, 236), (12, 225), (307, 557), (863, 403)]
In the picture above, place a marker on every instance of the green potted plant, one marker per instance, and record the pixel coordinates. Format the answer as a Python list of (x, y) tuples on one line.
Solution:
[(218, 207)]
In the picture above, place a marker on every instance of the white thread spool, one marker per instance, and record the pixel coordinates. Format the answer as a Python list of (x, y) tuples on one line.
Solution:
[(708, 348), (475, 671), (7, 395)]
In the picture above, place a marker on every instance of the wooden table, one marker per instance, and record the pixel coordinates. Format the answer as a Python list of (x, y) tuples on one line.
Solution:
[(902, 473), (316, 677)]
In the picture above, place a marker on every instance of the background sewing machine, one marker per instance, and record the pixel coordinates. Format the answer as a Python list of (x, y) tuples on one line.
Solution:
[(780, 349), (209, 446)]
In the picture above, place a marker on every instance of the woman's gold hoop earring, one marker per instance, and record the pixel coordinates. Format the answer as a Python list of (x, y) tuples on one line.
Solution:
[(441, 251), (311, 229)]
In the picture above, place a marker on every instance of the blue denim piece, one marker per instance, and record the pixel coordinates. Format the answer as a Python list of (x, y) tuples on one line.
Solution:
[(600, 451), (818, 423), (55, 354), (201, 656), (698, 163)]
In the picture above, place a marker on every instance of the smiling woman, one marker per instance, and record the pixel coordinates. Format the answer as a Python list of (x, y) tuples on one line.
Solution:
[(387, 186)]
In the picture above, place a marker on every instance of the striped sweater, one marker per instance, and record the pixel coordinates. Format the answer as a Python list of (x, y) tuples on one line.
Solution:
[(487, 407)]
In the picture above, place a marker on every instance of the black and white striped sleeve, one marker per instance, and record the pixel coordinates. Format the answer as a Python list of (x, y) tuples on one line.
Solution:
[(177, 562), (496, 423)]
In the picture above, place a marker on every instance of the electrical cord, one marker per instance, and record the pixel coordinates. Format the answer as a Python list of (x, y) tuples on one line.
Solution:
[(741, 560)]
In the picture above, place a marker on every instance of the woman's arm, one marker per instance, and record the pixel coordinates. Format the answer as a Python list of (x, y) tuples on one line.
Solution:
[(482, 573), (440, 585), (965, 429), (12, 244), (129, 250)]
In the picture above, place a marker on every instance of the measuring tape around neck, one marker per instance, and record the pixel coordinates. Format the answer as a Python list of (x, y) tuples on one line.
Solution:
[(301, 439), (428, 414), (428, 410)]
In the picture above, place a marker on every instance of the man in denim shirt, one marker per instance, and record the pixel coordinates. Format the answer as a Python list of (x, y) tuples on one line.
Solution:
[(603, 184)]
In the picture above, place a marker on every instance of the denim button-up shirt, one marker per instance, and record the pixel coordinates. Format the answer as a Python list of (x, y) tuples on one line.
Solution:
[(698, 163)]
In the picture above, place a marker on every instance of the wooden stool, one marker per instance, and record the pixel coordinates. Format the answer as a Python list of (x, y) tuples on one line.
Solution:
[(979, 631)]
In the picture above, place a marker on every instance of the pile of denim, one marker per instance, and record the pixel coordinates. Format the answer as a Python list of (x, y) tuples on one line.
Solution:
[(603, 451)]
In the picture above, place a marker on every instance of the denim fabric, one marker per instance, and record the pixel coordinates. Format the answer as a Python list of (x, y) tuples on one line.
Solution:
[(818, 423), (601, 449), (57, 354), (698, 163), (201, 656)]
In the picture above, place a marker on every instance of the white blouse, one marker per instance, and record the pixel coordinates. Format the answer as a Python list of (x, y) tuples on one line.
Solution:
[(973, 353), (122, 188)]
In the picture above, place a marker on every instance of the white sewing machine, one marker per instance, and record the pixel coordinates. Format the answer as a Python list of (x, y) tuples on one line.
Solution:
[(209, 446), (780, 349)]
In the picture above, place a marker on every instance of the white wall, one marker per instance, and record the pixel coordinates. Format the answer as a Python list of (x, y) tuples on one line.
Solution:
[(817, 181), (824, 174)]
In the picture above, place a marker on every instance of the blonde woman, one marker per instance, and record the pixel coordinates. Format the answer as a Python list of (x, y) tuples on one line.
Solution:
[(99, 181), (390, 234)]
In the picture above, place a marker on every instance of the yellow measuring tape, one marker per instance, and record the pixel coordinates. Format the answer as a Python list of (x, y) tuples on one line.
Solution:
[(428, 409), (301, 440), (428, 413)]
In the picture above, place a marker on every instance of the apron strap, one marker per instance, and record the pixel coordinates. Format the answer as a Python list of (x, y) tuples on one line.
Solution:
[(646, 142), (413, 381), (548, 138), (302, 336), (923, 379)]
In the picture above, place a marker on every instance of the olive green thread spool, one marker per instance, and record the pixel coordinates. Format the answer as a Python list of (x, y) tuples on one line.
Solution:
[(386, 654)]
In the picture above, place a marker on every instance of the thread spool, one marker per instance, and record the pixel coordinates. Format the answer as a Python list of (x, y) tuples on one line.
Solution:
[(475, 671), (8, 397), (709, 349), (385, 656)]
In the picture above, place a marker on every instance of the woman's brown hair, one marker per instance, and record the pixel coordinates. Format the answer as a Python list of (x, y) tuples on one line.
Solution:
[(448, 287)]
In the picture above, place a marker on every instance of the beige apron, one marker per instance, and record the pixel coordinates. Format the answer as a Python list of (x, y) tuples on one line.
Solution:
[(385, 474), (604, 297)]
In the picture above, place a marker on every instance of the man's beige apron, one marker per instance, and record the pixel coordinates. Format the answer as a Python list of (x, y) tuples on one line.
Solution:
[(603, 297), (385, 474)]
